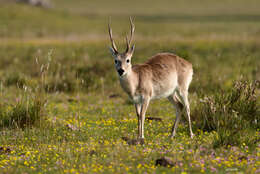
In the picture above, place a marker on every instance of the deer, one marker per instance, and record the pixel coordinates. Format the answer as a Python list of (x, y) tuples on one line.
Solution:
[(164, 75)]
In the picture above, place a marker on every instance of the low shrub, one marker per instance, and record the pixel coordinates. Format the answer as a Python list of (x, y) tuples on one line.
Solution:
[(229, 112), (15, 79), (22, 114)]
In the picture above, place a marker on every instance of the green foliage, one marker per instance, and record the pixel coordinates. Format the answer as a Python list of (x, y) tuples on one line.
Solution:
[(230, 112), (25, 113), (15, 79), (92, 76), (61, 82)]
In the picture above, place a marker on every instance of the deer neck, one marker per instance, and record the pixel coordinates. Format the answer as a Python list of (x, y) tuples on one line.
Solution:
[(129, 83)]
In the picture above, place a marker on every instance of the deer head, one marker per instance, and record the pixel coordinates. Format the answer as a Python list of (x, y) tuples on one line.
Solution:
[(122, 60)]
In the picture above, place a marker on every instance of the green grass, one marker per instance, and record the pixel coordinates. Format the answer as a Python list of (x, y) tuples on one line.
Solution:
[(163, 19), (64, 63)]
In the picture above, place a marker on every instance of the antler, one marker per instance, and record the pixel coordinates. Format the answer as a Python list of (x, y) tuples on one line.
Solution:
[(128, 42), (111, 37)]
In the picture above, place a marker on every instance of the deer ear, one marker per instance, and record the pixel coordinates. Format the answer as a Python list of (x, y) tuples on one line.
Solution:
[(132, 49), (113, 52)]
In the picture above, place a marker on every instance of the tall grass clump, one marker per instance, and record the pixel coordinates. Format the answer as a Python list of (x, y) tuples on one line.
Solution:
[(24, 113), (15, 79), (28, 109), (230, 113)]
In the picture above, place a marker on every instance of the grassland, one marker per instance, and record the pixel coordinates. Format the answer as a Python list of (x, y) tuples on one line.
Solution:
[(57, 73)]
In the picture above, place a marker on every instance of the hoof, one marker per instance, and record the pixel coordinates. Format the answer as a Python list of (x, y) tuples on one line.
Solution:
[(139, 138), (172, 136), (141, 141), (192, 135)]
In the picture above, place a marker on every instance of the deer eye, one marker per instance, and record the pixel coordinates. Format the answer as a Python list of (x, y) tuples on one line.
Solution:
[(127, 61), (115, 61)]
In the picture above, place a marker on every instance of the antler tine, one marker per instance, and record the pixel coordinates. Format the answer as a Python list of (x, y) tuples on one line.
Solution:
[(128, 42), (111, 36)]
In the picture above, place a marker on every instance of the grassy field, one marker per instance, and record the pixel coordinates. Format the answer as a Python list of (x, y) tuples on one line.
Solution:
[(62, 109)]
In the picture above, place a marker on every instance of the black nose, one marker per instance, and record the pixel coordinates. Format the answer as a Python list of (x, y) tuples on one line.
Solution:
[(120, 71)]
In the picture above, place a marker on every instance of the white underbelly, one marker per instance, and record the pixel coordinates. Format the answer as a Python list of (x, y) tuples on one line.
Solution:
[(163, 93), (137, 99), (157, 94)]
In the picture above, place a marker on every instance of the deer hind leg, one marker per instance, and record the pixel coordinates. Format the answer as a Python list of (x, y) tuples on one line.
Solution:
[(183, 95), (178, 107)]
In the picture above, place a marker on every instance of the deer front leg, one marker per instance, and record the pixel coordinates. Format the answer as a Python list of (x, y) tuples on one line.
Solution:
[(145, 104), (138, 112)]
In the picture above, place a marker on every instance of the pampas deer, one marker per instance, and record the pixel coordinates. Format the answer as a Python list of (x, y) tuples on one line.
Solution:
[(164, 75)]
